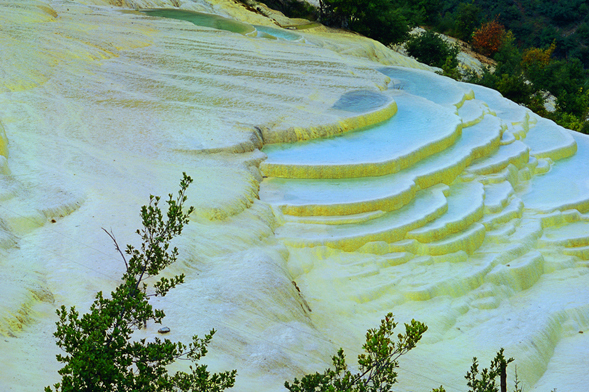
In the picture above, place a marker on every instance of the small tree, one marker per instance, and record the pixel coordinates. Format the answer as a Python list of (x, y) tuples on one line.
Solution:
[(535, 57), (486, 380), (488, 38), (377, 366), (101, 354)]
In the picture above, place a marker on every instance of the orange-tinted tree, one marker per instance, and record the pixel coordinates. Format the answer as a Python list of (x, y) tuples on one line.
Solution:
[(537, 57), (488, 38)]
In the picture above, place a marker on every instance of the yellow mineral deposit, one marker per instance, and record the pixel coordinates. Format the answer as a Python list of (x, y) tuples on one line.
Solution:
[(335, 181)]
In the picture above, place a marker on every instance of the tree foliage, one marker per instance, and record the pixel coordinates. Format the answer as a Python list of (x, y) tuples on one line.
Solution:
[(536, 57), (485, 380), (426, 11), (508, 76), (530, 77), (535, 23), (376, 366), (101, 354), (488, 38), (430, 48), (377, 19), (466, 20), (290, 8)]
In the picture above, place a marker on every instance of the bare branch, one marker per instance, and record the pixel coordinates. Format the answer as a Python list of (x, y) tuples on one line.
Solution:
[(112, 237)]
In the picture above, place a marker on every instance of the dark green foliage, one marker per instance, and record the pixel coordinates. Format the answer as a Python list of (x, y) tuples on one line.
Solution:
[(377, 365), (467, 19), (387, 21), (387, 25), (418, 12), (583, 33), (527, 82), (293, 8), (567, 81), (530, 77), (301, 9), (559, 77), (534, 22), (514, 87), (378, 19), (563, 12), (430, 48), (511, 85), (101, 354), (431, 8)]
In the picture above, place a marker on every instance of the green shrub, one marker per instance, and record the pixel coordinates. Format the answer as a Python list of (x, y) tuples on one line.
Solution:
[(377, 365), (430, 48), (515, 87)]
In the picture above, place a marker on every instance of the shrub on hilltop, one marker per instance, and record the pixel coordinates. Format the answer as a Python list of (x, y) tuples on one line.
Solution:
[(430, 48)]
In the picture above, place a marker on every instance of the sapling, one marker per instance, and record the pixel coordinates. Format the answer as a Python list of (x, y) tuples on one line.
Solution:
[(100, 351), (376, 365)]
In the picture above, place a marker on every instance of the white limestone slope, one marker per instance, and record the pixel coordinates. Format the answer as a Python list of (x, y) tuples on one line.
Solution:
[(462, 256), (332, 185)]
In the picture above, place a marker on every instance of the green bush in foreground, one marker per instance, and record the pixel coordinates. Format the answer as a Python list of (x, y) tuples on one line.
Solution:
[(101, 354), (377, 365)]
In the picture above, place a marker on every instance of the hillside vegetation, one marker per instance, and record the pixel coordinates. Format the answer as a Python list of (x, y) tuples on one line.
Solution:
[(541, 48)]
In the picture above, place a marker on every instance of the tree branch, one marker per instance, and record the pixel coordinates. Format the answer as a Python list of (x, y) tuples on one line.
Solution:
[(112, 237)]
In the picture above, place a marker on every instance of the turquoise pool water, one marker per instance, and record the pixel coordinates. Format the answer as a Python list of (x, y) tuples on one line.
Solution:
[(222, 23), (205, 20), (274, 33)]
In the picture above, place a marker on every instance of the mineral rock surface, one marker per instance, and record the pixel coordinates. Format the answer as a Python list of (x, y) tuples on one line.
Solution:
[(335, 181)]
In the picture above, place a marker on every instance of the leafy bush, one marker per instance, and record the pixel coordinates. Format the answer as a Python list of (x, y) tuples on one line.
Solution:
[(100, 352), (570, 121), (377, 365), (430, 48)]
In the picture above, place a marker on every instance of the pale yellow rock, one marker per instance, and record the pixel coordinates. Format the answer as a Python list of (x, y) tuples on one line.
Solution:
[(480, 232)]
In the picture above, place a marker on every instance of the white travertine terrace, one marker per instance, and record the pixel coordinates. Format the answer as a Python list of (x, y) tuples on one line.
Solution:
[(335, 181)]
